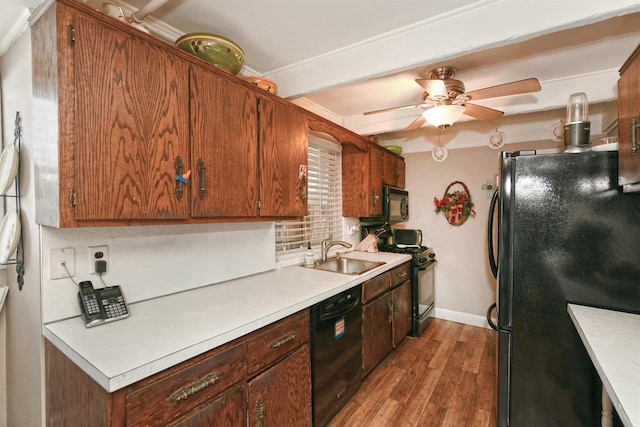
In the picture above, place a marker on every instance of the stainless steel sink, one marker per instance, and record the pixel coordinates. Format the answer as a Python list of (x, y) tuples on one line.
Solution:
[(347, 265)]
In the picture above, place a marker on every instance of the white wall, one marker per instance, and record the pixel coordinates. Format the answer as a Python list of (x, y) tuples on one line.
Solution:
[(24, 361)]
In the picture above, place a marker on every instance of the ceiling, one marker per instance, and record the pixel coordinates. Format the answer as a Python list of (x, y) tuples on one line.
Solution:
[(341, 58)]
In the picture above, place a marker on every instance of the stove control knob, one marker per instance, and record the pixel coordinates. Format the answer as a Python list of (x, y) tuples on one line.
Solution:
[(432, 255)]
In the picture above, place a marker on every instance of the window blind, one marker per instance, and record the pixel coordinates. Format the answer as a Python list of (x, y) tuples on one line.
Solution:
[(324, 189)]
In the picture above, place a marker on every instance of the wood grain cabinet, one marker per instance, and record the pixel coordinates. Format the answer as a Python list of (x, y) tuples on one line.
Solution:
[(263, 378), (393, 169), (386, 314), (247, 151), (361, 181), (134, 131), (629, 123)]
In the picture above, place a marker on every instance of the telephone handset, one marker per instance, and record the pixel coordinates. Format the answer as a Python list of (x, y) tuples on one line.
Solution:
[(102, 305)]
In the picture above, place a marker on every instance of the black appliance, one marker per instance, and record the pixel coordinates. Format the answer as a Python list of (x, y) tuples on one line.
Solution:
[(423, 262), (566, 234), (336, 353), (395, 207)]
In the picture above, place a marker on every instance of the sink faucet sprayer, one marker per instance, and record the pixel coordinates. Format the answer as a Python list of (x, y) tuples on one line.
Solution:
[(327, 243)]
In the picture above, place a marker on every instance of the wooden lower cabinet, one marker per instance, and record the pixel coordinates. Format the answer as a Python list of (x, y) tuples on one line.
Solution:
[(278, 397), (217, 388), (386, 314)]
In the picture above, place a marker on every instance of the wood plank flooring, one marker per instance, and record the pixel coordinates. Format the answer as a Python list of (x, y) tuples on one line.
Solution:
[(447, 377)]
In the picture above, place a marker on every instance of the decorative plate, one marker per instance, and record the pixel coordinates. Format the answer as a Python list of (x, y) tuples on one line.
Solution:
[(439, 154), (8, 167), (9, 235), (496, 140)]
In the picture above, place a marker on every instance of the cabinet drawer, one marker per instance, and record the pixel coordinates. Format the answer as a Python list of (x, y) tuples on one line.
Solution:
[(275, 341), (400, 274), (376, 286), (162, 401)]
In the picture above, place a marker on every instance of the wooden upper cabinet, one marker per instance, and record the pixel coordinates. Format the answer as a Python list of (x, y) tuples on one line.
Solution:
[(283, 151), (224, 141), (361, 181), (129, 125), (393, 169), (628, 129), (123, 119)]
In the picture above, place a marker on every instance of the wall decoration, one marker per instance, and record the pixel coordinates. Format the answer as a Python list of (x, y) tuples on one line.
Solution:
[(439, 154), (496, 139), (456, 205)]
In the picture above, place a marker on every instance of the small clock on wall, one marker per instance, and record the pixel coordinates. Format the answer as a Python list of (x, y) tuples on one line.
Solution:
[(496, 140)]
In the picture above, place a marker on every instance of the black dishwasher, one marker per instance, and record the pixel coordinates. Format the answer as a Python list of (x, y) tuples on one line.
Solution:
[(336, 353)]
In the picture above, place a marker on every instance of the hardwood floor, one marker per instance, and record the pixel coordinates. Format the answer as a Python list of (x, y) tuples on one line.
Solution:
[(447, 377)]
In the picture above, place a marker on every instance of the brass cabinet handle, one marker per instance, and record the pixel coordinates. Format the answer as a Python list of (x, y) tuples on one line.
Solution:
[(304, 188), (402, 274), (259, 413), (279, 342), (391, 313), (179, 167), (396, 311), (634, 135), (375, 197), (188, 391), (201, 181)]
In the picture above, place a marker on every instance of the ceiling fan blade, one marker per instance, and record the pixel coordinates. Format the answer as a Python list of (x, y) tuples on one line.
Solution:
[(417, 123), (513, 88), (435, 88), (403, 107), (479, 112)]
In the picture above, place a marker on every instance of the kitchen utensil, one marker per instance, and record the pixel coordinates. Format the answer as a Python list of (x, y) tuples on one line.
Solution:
[(215, 49)]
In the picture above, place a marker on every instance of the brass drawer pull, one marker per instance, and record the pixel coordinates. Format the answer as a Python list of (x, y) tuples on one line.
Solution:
[(402, 274), (259, 413), (634, 135), (279, 342), (188, 391)]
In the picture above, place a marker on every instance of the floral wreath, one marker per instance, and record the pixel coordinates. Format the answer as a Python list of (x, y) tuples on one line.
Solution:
[(457, 205)]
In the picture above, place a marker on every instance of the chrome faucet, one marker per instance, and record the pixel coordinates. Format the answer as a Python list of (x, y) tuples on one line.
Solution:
[(327, 243)]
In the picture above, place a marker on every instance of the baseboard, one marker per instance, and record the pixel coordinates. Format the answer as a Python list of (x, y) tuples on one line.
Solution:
[(460, 317)]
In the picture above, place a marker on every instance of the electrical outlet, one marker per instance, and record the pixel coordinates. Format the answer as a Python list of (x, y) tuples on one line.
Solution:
[(98, 253), (60, 256)]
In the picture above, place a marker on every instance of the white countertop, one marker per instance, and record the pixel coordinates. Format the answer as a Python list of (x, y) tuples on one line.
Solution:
[(612, 339), (165, 331)]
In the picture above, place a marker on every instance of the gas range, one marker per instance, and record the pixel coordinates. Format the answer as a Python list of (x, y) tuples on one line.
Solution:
[(420, 255)]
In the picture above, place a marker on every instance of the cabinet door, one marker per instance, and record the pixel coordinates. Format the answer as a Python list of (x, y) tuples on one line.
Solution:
[(224, 139), (392, 170), (401, 312), (629, 108), (374, 198), (376, 331), (130, 126), (227, 410), (283, 150), (281, 395)]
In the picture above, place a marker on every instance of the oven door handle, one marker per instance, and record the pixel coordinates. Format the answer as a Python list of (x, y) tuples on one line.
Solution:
[(428, 265)]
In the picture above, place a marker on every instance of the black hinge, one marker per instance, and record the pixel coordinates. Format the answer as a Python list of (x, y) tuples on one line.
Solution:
[(71, 32)]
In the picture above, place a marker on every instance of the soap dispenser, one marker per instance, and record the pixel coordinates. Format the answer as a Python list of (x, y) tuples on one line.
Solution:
[(309, 257)]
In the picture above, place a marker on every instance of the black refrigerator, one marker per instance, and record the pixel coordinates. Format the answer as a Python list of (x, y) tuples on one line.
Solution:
[(566, 233)]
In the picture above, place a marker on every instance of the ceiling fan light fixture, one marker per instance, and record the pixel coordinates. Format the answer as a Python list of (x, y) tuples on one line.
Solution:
[(443, 116)]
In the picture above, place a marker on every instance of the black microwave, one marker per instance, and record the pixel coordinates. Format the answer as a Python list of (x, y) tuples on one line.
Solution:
[(395, 207)]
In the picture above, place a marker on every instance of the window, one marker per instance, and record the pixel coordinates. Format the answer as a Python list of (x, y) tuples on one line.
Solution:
[(324, 189)]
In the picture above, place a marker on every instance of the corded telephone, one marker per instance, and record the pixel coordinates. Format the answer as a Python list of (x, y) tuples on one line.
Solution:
[(102, 305)]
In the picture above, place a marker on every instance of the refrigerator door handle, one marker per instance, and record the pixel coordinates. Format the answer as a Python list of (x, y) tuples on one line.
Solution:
[(492, 260), (491, 309)]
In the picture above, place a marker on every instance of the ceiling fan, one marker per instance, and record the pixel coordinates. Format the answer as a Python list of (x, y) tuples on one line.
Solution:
[(448, 100)]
